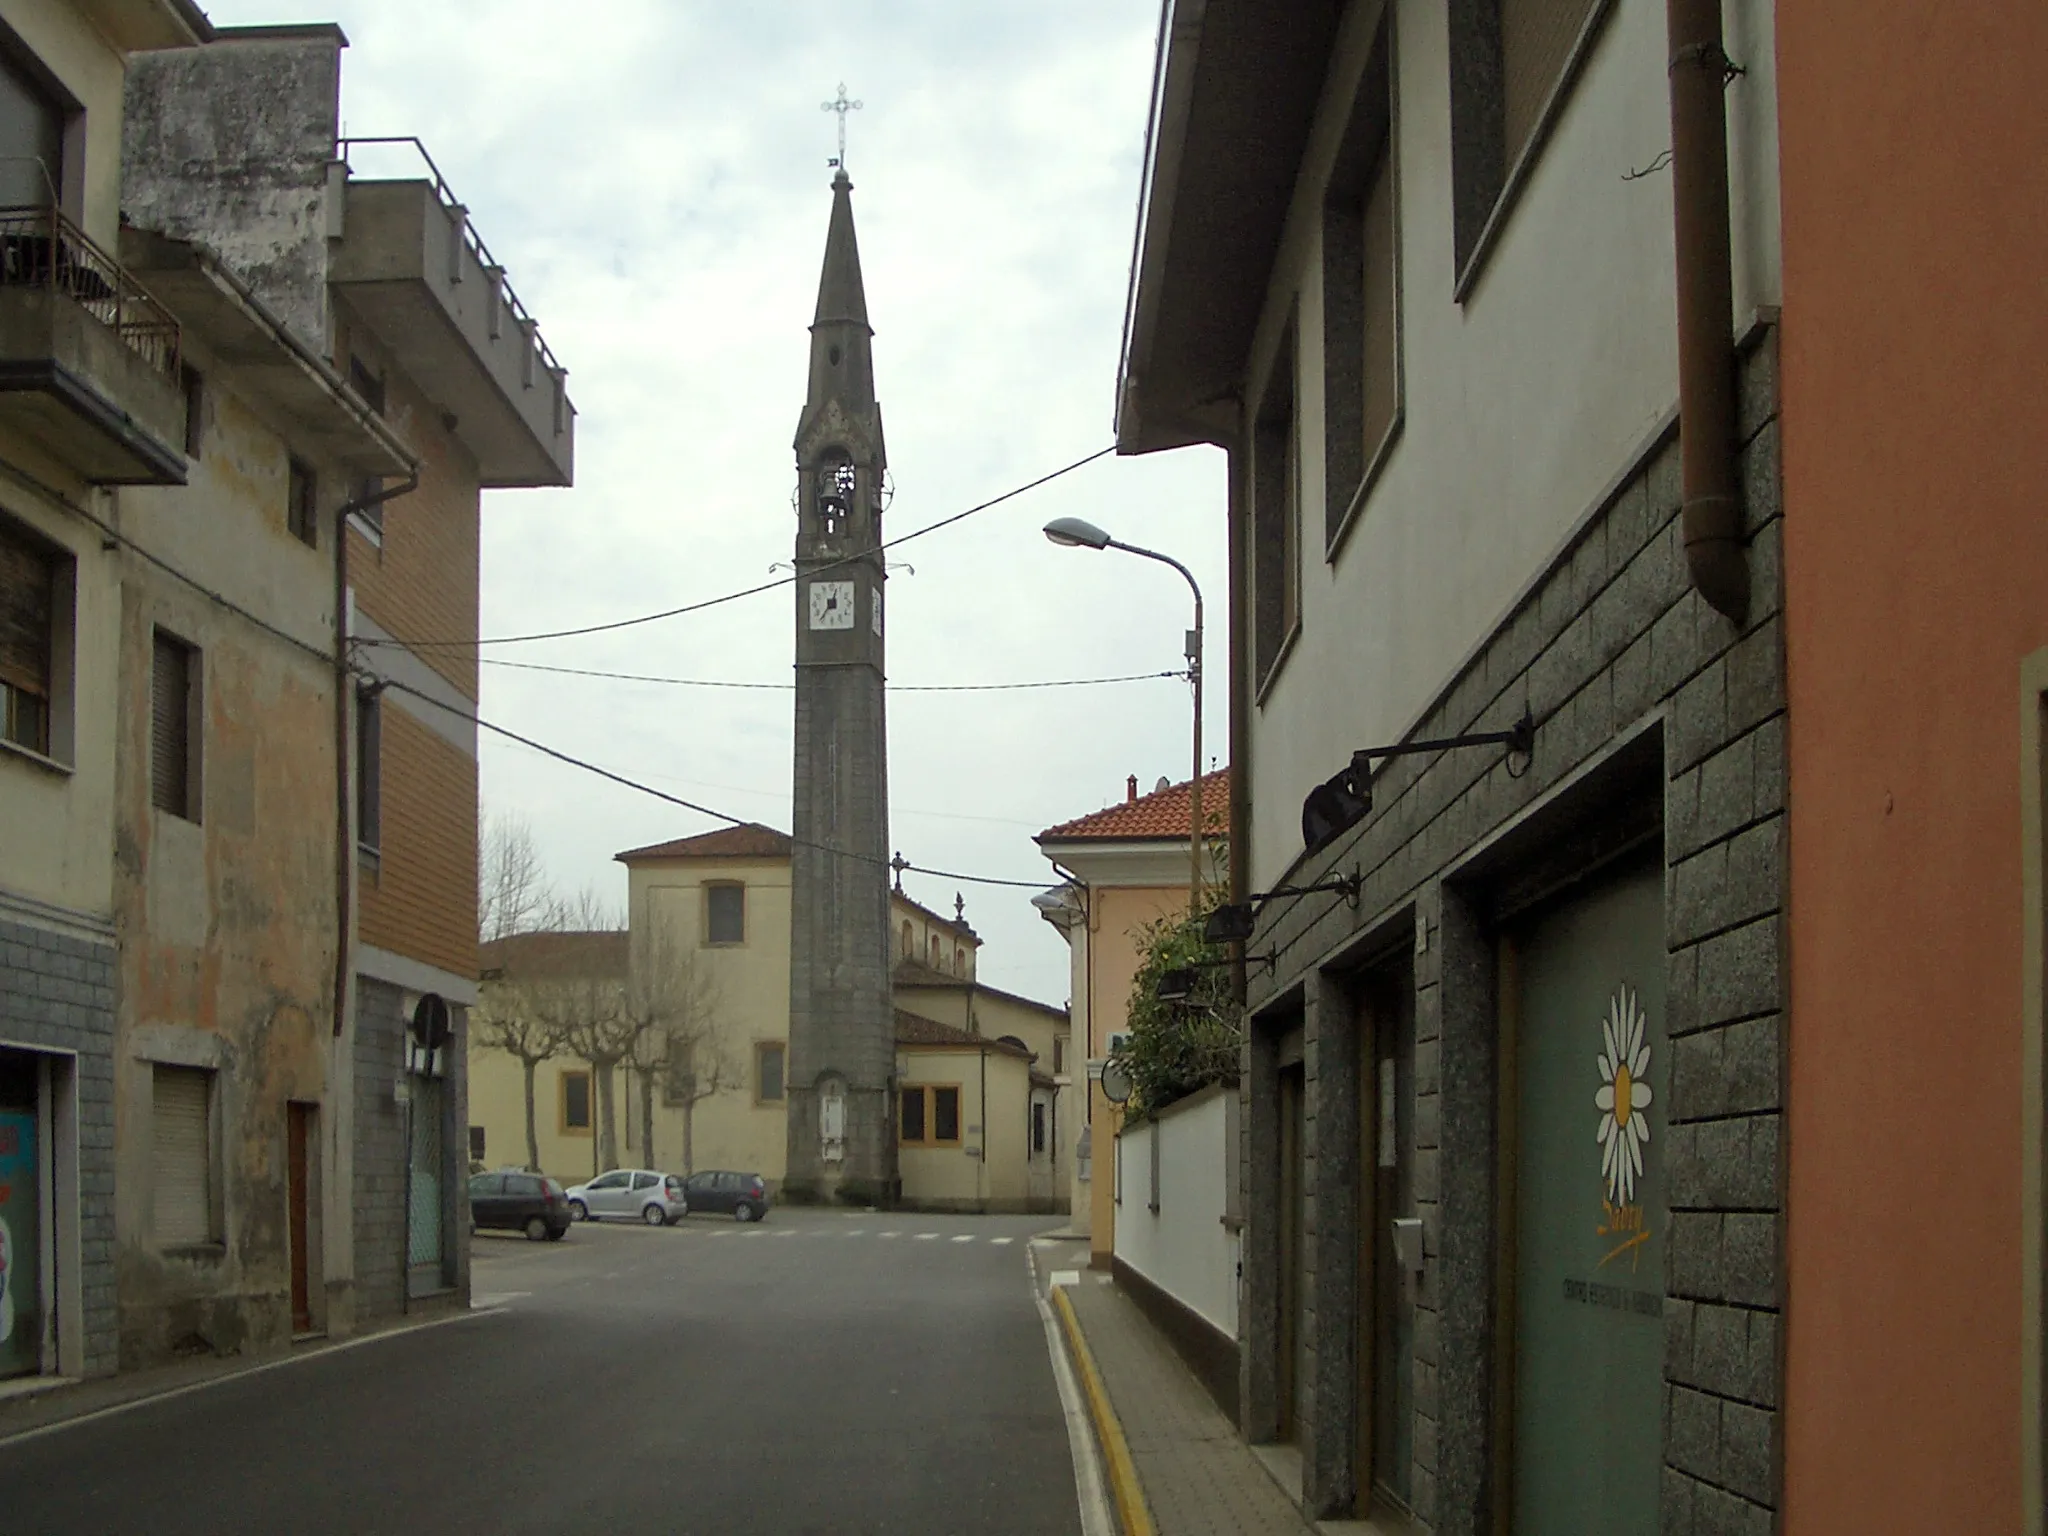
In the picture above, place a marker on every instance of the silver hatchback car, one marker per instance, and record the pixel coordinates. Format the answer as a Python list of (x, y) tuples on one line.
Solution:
[(638, 1194)]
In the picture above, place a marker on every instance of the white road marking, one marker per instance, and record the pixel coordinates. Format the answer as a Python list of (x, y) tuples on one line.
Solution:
[(1001, 1242), (495, 1298), (1096, 1518), (858, 1231), (926, 1237), (785, 1232), (899, 1234), (968, 1237)]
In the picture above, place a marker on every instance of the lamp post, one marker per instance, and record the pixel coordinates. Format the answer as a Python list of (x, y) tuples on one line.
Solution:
[(1076, 534)]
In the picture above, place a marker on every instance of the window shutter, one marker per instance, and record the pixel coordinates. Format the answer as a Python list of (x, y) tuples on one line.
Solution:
[(27, 580), (945, 1114), (912, 1124), (183, 1210), (369, 771), (170, 715), (1536, 38)]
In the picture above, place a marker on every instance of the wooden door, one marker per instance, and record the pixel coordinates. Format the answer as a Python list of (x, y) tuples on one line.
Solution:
[(298, 1152)]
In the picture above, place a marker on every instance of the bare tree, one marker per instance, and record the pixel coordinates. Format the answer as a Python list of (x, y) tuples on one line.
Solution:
[(675, 1006), (512, 894), (587, 1009), (504, 1020)]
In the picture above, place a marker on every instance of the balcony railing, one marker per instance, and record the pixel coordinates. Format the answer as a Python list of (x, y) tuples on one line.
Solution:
[(40, 248)]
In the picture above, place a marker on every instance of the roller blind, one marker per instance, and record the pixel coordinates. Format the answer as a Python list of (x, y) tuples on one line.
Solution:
[(27, 581), (1536, 38), (170, 718), (183, 1208)]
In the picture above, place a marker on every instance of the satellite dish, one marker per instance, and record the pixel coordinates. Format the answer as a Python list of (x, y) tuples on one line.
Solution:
[(1116, 1082)]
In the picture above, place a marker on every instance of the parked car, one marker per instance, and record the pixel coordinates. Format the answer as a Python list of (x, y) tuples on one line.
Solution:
[(716, 1192), (637, 1193), (531, 1203)]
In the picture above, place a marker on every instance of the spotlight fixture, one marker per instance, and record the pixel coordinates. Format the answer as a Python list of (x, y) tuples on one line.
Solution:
[(1175, 986), (1231, 924)]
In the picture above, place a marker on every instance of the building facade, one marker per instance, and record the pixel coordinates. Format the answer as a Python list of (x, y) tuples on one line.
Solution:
[(1510, 1128)]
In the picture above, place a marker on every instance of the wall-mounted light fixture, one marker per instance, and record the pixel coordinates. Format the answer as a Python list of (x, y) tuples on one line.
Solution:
[(1233, 922), (1341, 802)]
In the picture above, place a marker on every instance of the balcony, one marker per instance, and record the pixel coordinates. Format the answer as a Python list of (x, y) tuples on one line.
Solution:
[(413, 268), (88, 360)]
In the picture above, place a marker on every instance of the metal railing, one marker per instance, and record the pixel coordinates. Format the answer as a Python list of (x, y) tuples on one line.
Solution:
[(40, 248), (453, 205)]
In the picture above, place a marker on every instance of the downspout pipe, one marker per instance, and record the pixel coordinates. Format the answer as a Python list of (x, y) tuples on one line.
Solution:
[(1711, 518), (344, 764)]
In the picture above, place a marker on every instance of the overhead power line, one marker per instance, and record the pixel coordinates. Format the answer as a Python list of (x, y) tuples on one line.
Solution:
[(691, 805), (753, 591), (709, 682)]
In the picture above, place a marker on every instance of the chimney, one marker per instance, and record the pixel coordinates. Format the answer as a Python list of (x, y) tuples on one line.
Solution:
[(1130, 789)]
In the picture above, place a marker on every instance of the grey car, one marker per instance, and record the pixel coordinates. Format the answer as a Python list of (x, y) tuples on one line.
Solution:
[(635, 1194)]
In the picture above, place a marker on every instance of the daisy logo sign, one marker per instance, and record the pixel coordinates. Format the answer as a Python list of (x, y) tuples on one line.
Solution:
[(1623, 1098)]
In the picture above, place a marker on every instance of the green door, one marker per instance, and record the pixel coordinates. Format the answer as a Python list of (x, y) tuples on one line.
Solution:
[(1591, 1068), (21, 1237)]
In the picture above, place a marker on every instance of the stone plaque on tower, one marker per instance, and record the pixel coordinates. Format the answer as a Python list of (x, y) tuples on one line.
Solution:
[(842, 1049)]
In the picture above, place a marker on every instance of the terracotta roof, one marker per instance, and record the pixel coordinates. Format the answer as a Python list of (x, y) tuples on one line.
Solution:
[(912, 1030), (749, 840), (915, 973), (600, 953), (1161, 816)]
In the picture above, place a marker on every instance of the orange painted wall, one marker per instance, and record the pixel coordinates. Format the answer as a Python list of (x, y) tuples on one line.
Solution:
[(1915, 390)]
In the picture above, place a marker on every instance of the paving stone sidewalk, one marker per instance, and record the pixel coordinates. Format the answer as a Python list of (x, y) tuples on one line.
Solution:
[(1200, 1479)]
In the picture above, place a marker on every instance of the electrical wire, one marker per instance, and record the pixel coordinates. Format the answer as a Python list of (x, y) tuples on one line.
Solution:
[(754, 591), (691, 805), (707, 682)]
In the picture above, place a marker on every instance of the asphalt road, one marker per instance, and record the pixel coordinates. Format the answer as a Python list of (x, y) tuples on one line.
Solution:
[(809, 1374)]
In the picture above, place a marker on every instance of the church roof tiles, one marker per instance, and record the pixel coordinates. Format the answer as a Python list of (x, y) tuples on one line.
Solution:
[(749, 840)]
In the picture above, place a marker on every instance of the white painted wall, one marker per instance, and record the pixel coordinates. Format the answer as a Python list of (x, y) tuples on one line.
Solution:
[(1497, 459), (1183, 1247)]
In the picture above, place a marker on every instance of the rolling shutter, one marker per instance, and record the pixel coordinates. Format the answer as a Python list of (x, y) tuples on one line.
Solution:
[(27, 578), (169, 720), (183, 1209), (1536, 38)]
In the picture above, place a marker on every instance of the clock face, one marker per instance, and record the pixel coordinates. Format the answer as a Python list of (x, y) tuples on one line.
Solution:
[(831, 605)]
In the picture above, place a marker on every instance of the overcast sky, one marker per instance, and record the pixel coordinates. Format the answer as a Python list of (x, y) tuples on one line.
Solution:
[(654, 177)]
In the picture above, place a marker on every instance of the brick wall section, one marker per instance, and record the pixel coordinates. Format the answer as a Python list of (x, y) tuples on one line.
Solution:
[(380, 1179), (1610, 635), (420, 899), (58, 992)]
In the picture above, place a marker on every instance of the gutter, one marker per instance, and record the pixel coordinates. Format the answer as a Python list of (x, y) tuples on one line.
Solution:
[(1711, 518)]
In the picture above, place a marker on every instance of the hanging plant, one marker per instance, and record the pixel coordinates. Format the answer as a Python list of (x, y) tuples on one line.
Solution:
[(1173, 1049)]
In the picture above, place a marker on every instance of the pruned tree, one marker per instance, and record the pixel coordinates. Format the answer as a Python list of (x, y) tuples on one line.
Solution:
[(503, 1020), (676, 1008)]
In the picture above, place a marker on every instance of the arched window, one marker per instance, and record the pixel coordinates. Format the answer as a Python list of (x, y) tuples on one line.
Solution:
[(933, 952), (959, 960), (909, 943), (837, 481)]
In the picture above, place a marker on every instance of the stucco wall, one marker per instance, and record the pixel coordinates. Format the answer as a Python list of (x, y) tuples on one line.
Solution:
[(1183, 1247), (1493, 462), (1915, 550)]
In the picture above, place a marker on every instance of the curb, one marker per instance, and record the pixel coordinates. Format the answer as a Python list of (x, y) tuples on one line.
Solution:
[(1132, 1513)]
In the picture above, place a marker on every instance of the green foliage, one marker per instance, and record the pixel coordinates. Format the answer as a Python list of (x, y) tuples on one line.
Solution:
[(1178, 1048)]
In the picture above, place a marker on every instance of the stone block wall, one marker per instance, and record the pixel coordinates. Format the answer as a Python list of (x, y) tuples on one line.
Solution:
[(1656, 719), (380, 1152)]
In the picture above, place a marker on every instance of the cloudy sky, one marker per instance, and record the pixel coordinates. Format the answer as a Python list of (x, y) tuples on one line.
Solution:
[(653, 174)]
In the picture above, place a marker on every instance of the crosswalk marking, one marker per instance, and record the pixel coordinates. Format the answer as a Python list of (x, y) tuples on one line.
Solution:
[(1002, 1241), (965, 1237), (899, 1234), (926, 1237)]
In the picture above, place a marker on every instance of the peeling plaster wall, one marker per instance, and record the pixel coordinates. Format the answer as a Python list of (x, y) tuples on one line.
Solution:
[(230, 145)]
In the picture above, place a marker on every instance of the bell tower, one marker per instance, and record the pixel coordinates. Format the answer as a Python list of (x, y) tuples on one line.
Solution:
[(842, 1047)]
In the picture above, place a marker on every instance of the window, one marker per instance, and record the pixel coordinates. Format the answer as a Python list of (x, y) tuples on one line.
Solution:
[(909, 940), (725, 914), (369, 512), (524, 1185), (1512, 62), (645, 1180), (959, 960), (368, 383), (575, 1106), (28, 612), (769, 1061), (195, 410), (302, 513), (1276, 518), (1059, 1054), (1038, 1126), (932, 952), (183, 1211), (369, 770), (930, 1117), (173, 737), (609, 1181), (476, 1143), (483, 1185), (1361, 308), (31, 139)]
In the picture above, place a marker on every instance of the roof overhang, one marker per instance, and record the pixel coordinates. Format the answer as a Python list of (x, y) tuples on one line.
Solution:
[(135, 25), (1140, 864), (1234, 93)]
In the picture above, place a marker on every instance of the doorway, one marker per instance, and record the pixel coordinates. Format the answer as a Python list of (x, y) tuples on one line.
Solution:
[(299, 1144), (1294, 1379), (24, 1173), (1386, 1196)]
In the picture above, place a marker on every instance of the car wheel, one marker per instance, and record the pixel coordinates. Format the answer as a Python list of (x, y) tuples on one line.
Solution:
[(578, 1211), (536, 1229), (654, 1216), (556, 1234), (743, 1212)]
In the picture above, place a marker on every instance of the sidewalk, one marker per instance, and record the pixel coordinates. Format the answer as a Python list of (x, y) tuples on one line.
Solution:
[(1197, 1477)]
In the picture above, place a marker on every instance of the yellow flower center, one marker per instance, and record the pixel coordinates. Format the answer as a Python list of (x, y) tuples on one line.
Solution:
[(1622, 1093)]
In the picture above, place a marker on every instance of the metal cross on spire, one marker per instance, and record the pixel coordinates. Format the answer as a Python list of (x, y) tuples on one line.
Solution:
[(842, 106)]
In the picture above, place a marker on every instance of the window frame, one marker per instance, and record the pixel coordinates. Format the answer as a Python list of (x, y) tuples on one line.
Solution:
[(215, 1240), (302, 501), (369, 773), (190, 792), (930, 1140), (712, 888), (53, 743), (1273, 489), (563, 1127), (1485, 184), (781, 1097)]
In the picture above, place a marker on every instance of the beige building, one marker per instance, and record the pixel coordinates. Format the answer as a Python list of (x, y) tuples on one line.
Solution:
[(1125, 867), (979, 1070)]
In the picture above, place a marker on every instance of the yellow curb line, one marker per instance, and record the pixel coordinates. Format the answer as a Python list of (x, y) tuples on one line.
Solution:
[(1131, 1511)]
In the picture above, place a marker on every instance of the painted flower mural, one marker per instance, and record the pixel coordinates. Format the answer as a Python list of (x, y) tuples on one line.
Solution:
[(1623, 1095)]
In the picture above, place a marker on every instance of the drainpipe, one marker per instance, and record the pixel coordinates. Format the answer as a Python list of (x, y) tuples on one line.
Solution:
[(1712, 515), (344, 765)]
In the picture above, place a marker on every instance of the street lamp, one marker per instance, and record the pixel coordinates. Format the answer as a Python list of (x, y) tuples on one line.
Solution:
[(1073, 533)]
